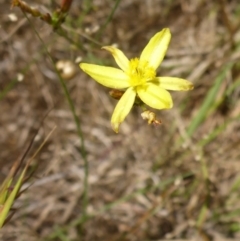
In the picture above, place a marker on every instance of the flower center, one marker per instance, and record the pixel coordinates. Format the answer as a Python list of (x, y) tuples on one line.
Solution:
[(140, 72)]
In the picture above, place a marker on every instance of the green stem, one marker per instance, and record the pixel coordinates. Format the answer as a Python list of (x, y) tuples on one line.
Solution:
[(76, 119), (108, 20)]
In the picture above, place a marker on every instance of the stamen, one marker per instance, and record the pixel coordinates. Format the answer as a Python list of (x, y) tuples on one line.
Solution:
[(140, 72)]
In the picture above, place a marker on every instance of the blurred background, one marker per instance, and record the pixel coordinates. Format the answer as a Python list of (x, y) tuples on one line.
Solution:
[(176, 181)]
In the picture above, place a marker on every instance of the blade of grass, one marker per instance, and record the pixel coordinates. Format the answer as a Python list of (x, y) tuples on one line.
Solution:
[(236, 185), (208, 101), (8, 204), (6, 199), (202, 216), (218, 130), (4, 189)]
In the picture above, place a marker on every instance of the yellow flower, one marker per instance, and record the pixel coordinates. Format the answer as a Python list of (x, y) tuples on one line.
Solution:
[(138, 77)]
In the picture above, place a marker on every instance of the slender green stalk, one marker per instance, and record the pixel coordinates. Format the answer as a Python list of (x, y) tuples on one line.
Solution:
[(108, 20), (208, 101), (76, 119)]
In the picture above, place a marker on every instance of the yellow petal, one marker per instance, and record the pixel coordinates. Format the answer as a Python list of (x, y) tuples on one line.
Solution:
[(122, 108), (154, 96), (119, 57), (156, 49), (172, 83), (107, 76)]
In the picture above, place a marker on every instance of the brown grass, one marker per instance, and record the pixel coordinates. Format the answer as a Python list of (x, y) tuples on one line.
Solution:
[(145, 183)]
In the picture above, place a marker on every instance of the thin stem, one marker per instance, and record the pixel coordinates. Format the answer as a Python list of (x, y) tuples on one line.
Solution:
[(76, 119), (108, 19)]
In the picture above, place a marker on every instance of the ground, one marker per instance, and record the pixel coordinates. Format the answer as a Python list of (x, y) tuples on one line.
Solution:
[(176, 181)]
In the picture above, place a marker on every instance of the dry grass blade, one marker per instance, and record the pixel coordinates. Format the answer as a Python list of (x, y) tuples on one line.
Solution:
[(9, 194)]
